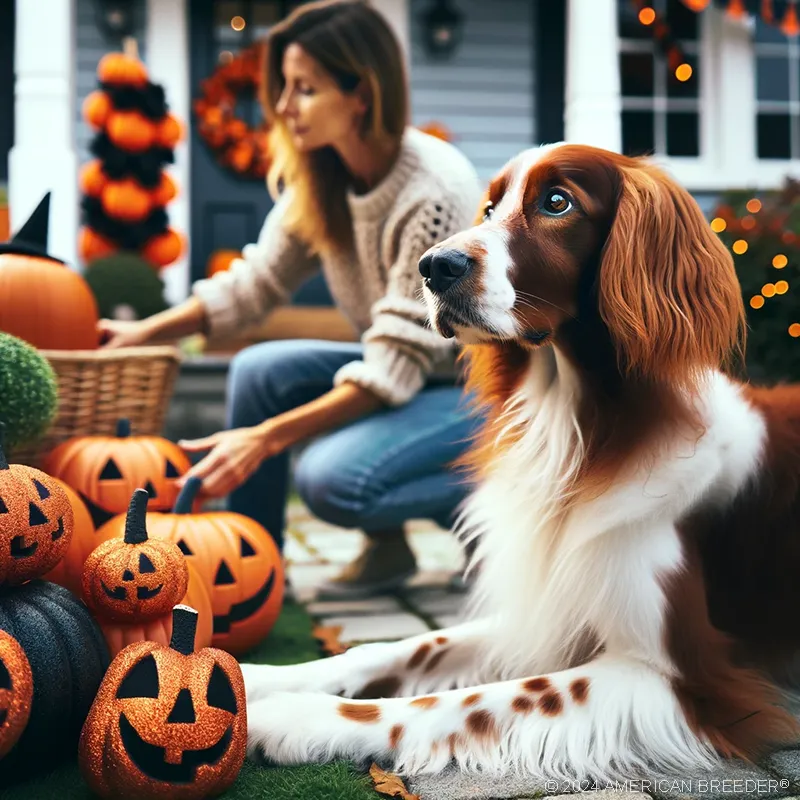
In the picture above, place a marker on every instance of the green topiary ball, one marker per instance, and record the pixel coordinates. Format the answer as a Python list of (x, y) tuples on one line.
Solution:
[(125, 286), (28, 392)]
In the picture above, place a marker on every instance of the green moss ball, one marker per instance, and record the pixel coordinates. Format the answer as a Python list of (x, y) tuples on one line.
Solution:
[(28, 392), (125, 286)]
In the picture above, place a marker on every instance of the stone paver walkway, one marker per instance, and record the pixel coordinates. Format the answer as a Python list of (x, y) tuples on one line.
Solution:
[(316, 551)]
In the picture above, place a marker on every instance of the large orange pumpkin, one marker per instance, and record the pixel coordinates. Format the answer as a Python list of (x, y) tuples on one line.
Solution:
[(238, 560), (106, 470), (68, 571), (46, 303)]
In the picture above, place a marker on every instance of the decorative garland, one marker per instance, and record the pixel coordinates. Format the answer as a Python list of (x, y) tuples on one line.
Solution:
[(125, 190), (235, 144)]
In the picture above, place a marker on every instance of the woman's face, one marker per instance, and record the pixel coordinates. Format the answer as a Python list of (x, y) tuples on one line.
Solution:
[(315, 110)]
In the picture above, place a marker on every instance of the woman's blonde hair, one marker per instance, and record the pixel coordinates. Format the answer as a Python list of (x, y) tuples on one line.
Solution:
[(355, 44)]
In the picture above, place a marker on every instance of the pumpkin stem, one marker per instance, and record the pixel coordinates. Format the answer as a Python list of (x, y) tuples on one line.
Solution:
[(3, 461), (123, 428), (135, 530), (184, 500), (184, 627)]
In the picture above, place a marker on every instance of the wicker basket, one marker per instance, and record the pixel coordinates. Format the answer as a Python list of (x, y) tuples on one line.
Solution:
[(98, 387)]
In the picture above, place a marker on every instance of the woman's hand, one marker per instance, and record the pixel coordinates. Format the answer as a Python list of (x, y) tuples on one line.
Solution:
[(235, 455), (122, 333)]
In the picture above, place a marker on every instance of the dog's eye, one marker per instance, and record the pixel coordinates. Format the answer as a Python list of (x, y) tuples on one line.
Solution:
[(488, 210), (556, 203)]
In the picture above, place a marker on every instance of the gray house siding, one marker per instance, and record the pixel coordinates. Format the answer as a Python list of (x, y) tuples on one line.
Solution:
[(485, 93), (92, 45)]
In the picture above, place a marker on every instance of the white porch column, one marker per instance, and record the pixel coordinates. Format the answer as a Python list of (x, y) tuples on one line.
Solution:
[(592, 102), (167, 55), (43, 157), (396, 12)]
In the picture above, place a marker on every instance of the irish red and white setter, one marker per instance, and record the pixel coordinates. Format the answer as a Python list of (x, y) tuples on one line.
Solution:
[(636, 510)]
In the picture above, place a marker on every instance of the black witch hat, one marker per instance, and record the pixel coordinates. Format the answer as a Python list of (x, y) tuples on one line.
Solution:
[(31, 238)]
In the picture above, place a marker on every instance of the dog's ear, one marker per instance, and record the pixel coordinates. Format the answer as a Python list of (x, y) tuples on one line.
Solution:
[(668, 290)]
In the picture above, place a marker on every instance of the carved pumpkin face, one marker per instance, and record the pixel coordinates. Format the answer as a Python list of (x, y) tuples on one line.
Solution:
[(36, 522), (105, 470), (167, 721), (238, 560), (16, 691), (134, 578)]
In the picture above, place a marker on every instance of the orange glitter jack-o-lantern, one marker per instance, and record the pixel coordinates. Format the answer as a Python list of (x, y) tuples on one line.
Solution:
[(167, 722), (119, 635), (134, 578), (16, 691), (239, 562), (36, 522), (105, 470)]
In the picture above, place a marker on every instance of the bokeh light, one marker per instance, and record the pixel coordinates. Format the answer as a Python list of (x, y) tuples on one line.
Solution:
[(739, 247), (683, 72), (757, 301), (748, 222), (780, 261), (238, 23), (718, 224), (647, 16), (794, 330), (753, 206), (768, 289), (781, 287)]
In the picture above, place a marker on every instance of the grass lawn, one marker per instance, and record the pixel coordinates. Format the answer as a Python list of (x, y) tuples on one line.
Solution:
[(289, 642)]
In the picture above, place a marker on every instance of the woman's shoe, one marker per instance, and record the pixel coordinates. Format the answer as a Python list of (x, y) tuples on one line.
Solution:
[(384, 565)]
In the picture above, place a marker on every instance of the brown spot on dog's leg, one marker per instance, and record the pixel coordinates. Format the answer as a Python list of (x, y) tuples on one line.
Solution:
[(360, 712), (579, 689), (536, 685), (452, 740), (522, 704), (425, 702), (380, 687), (481, 724), (395, 735), (441, 640), (471, 699), (435, 659), (550, 704), (419, 656)]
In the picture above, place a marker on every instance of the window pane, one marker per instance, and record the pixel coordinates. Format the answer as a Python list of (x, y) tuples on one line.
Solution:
[(683, 133), (684, 23), (265, 14), (772, 77), (636, 74), (685, 88), (629, 25), (768, 33), (773, 135), (638, 137)]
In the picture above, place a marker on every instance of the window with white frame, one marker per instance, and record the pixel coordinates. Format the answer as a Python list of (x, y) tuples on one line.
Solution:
[(660, 112), (777, 59)]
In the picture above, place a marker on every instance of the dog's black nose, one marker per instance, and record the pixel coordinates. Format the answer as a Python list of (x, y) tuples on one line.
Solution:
[(443, 269)]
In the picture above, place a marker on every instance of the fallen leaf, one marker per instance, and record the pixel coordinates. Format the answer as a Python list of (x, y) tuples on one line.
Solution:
[(328, 637), (391, 785)]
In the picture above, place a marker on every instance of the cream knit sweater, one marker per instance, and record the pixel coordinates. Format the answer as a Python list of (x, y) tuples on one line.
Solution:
[(431, 192)]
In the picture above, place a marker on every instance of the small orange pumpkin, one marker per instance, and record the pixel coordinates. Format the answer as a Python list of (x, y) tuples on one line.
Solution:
[(122, 70), (126, 200), (238, 560), (91, 245), (131, 131), (46, 304), (167, 721), (163, 249), (92, 179), (36, 522), (165, 192), (134, 578), (68, 571), (169, 132), (106, 470), (220, 260), (119, 635), (16, 691), (96, 108)]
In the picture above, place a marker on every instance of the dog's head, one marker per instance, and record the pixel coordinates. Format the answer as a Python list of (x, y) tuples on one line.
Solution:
[(574, 241)]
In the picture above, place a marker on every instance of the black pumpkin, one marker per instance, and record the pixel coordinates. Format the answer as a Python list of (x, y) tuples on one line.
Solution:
[(68, 658)]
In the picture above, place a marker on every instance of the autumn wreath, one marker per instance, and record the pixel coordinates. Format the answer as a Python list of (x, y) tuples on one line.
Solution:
[(236, 145)]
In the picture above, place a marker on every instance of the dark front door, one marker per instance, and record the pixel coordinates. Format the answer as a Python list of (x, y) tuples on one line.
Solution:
[(228, 210)]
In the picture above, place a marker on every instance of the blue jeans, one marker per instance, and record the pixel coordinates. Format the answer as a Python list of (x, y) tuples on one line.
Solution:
[(372, 474)]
